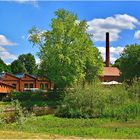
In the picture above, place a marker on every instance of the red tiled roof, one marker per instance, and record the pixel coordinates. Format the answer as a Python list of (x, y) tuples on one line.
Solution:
[(110, 71)]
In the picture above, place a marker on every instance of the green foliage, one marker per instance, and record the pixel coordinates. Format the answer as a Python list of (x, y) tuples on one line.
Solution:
[(129, 62), (66, 51), (94, 101), (2, 121), (28, 95), (30, 99), (123, 112), (134, 91), (24, 64), (28, 61), (17, 67), (19, 113), (4, 67), (13, 112), (80, 102)]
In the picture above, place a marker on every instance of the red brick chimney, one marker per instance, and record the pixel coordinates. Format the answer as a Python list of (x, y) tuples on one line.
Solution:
[(107, 50)]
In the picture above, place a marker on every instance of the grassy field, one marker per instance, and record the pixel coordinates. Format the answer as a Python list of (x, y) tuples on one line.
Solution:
[(25, 135), (52, 127)]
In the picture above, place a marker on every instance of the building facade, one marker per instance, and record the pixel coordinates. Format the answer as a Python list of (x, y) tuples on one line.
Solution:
[(26, 82), (110, 74), (5, 88)]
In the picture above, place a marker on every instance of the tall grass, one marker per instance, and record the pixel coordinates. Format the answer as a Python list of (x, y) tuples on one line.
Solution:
[(96, 100)]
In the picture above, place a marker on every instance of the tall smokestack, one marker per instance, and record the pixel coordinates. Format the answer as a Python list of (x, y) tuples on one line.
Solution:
[(107, 50)]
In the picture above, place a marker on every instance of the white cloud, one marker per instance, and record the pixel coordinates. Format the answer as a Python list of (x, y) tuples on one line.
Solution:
[(5, 42), (31, 2), (114, 52), (114, 24), (137, 34), (2, 49), (4, 54)]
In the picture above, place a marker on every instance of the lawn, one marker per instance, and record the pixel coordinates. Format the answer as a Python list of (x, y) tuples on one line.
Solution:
[(25, 135), (46, 126)]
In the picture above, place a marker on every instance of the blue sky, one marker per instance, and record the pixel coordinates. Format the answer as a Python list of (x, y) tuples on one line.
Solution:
[(121, 19)]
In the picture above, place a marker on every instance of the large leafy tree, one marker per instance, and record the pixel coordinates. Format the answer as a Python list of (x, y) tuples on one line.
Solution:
[(24, 64), (129, 62), (28, 61), (4, 67), (17, 67), (66, 51)]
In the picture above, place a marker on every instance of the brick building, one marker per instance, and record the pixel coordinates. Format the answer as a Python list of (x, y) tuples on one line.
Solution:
[(109, 73), (26, 82), (5, 88)]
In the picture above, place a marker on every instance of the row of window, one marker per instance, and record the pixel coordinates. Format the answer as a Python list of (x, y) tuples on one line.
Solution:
[(26, 85), (43, 86)]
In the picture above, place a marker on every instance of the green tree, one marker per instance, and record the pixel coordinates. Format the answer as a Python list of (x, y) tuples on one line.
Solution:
[(66, 51), (17, 67), (28, 61), (4, 67), (129, 62)]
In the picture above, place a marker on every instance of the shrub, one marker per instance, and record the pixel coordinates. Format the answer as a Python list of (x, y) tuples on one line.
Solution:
[(56, 94), (24, 96), (98, 101), (13, 113), (80, 102), (29, 99)]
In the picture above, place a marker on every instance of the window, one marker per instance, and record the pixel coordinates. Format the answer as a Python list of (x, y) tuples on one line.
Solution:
[(46, 86), (14, 86), (31, 85), (41, 86), (26, 85)]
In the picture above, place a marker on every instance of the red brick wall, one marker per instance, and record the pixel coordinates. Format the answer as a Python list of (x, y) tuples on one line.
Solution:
[(108, 78), (5, 89), (11, 80)]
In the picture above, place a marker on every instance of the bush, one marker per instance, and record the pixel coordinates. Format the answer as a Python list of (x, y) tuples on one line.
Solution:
[(56, 94), (82, 102), (13, 113), (31, 99), (97, 101), (24, 96)]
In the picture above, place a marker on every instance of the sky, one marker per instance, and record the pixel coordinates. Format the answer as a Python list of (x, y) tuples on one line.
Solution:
[(120, 18)]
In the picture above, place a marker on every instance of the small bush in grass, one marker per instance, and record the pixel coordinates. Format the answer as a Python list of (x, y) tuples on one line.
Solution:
[(19, 112), (14, 113)]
